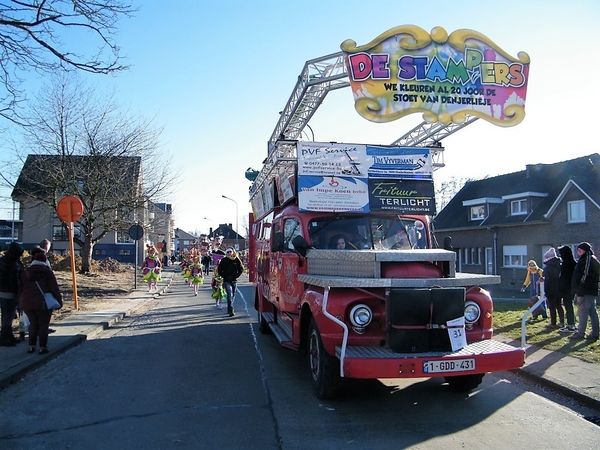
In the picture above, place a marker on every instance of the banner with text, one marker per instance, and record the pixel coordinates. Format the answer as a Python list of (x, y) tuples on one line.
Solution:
[(341, 178), (403, 196), (407, 70)]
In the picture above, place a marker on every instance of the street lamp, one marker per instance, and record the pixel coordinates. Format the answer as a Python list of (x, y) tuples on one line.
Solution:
[(237, 247), (212, 226)]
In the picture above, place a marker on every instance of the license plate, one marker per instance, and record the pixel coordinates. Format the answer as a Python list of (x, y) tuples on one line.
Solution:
[(455, 365)]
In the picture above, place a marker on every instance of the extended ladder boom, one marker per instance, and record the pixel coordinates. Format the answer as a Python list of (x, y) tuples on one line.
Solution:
[(318, 77)]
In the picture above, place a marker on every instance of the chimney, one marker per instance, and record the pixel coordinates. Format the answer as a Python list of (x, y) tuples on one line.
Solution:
[(530, 169)]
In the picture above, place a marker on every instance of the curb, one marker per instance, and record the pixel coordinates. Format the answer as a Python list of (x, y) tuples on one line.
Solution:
[(564, 388)]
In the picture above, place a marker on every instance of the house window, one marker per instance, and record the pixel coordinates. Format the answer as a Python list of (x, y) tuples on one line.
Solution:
[(475, 255), (515, 255), (518, 207), (576, 211), (471, 255), (477, 212), (60, 233)]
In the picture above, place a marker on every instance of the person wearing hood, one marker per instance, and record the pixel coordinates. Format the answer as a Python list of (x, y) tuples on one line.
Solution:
[(532, 280), (230, 268), (585, 285), (38, 278), (552, 290), (10, 272), (566, 276)]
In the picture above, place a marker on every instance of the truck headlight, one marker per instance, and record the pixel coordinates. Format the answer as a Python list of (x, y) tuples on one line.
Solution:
[(472, 312), (361, 316)]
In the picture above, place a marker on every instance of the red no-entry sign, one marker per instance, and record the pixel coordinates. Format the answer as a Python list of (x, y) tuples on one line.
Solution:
[(69, 209)]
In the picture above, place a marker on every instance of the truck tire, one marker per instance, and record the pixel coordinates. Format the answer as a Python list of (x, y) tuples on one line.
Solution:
[(324, 368), (464, 383)]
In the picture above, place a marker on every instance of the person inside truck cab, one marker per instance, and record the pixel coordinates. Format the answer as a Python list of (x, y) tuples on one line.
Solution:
[(337, 242)]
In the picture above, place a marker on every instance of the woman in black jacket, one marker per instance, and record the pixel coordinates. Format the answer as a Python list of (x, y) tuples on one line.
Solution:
[(564, 284), (551, 289)]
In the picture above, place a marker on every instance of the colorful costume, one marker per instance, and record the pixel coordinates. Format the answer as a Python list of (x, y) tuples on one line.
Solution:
[(532, 280), (186, 272), (196, 274), (151, 268), (218, 291)]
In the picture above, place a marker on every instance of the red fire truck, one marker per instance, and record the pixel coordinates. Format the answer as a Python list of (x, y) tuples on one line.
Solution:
[(350, 272)]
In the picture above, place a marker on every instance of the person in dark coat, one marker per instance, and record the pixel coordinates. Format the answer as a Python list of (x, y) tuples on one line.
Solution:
[(566, 276), (585, 284), (552, 289), (230, 268), (10, 272), (38, 278)]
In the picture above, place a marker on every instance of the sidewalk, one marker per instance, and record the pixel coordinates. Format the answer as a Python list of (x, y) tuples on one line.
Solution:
[(571, 376), (75, 329)]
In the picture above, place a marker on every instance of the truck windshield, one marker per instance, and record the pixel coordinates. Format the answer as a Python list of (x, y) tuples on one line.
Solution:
[(367, 232)]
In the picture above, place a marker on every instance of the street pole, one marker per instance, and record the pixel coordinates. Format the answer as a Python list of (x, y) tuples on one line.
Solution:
[(237, 246), (210, 235)]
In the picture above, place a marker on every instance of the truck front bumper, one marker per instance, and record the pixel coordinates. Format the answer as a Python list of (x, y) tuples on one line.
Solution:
[(477, 357)]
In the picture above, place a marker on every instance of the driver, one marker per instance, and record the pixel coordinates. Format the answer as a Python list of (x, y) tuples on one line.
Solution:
[(337, 242)]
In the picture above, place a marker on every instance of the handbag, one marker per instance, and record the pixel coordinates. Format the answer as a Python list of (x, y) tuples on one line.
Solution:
[(49, 300)]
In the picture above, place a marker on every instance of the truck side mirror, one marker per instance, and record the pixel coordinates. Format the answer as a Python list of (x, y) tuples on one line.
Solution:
[(300, 245)]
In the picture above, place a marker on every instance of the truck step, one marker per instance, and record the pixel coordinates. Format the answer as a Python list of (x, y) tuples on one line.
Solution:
[(475, 348), (281, 330)]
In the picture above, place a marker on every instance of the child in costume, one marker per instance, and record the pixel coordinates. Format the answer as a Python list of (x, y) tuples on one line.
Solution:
[(186, 272), (218, 291), (196, 274), (151, 267), (532, 280)]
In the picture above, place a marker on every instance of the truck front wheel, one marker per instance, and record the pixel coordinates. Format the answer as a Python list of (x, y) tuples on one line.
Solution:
[(324, 369), (464, 383)]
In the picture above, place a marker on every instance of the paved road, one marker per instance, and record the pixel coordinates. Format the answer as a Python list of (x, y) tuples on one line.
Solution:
[(181, 374)]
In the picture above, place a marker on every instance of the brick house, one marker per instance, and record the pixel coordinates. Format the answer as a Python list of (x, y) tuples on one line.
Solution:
[(499, 223), (40, 221)]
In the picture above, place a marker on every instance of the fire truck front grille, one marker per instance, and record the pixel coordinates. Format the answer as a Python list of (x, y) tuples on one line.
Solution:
[(416, 318)]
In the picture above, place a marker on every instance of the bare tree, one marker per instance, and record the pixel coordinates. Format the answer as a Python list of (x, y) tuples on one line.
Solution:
[(33, 37), (447, 190), (79, 143)]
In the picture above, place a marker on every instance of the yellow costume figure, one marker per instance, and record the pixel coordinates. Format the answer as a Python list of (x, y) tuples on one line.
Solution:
[(151, 268), (534, 273)]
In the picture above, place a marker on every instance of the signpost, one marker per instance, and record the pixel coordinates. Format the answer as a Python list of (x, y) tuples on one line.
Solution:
[(70, 209), (136, 232)]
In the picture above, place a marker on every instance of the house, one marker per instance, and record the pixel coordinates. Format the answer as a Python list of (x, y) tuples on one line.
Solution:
[(499, 223), (183, 240), (230, 237), (112, 184)]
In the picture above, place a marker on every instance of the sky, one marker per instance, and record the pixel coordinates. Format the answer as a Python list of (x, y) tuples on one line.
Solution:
[(216, 74)]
